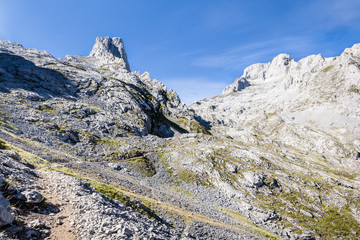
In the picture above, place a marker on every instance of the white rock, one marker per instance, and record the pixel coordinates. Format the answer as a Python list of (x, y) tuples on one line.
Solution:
[(111, 49)]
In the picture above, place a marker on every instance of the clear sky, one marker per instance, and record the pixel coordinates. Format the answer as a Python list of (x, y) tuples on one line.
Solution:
[(195, 47)]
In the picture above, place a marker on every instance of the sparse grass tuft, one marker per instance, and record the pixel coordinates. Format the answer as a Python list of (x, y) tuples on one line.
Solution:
[(3, 144), (47, 109), (144, 165), (338, 224), (328, 68)]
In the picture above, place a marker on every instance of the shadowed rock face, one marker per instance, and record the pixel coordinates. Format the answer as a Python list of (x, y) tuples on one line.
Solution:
[(106, 47), (18, 73)]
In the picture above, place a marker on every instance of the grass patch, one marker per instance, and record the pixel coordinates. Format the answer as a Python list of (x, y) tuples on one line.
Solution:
[(188, 176), (25, 156), (3, 144), (183, 192), (328, 68), (144, 165), (337, 224), (47, 108), (248, 225)]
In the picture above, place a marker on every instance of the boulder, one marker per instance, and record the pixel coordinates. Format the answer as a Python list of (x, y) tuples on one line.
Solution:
[(33, 196), (5, 212), (254, 180)]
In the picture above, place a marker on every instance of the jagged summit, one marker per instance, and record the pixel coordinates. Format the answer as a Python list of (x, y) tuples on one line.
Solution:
[(110, 49), (286, 71)]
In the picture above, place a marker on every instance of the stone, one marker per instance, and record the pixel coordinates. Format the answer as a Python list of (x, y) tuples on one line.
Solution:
[(115, 166), (106, 47), (254, 180), (32, 196), (37, 223), (6, 217), (239, 84), (12, 154)]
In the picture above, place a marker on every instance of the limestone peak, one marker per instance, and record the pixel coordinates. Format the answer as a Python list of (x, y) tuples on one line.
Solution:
[(109, 48)]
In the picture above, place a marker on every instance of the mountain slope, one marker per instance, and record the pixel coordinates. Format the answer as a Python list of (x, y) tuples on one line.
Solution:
[(274, 157), (302, 119)]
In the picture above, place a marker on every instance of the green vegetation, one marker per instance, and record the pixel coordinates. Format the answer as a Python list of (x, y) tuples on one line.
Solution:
[(104, 69), (80, 68), (3, 144), (271, 114), (5, 120), (26, 156), (195, 126), (188, 176), (182, 191), (328, 68), (295, 207), (144, 165), (109, 142), (337, 223), (343, 173), (47, 108), (248, 225), (113, 193), (6, 184)]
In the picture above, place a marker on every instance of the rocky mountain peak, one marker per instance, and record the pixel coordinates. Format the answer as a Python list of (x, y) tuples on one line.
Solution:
[(110, 49), (281, 59), (355, 50)]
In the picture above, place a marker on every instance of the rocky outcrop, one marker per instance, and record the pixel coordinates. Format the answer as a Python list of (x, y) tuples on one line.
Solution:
[(239, 84), (111, 50)]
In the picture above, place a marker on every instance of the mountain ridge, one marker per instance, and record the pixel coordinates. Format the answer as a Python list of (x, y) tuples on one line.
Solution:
[(276, 159)]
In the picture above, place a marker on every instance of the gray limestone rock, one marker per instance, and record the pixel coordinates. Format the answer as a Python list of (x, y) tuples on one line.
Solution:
[(239, 84), (37, 223), (5, 212), (32, 196), (254, 180), (110, 48)]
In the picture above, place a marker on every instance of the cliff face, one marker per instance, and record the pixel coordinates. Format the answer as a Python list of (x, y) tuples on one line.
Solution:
[(81, 98), (275, 156)]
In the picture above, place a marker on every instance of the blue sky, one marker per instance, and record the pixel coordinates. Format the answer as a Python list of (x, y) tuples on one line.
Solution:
[(195, 47)]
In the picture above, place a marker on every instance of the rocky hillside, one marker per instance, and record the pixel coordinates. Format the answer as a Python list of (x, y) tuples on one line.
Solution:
[(90, 149), (301, 120)]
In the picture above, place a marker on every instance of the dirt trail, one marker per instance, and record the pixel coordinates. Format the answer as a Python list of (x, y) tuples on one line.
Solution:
[(59, 222)]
